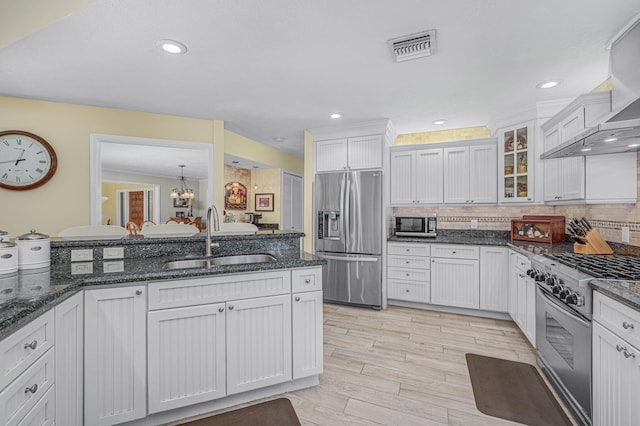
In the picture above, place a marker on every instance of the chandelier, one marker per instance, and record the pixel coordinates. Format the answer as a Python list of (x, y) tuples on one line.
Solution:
[(183, 191)]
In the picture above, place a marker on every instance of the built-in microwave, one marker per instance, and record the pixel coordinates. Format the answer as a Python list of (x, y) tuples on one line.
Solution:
[(416, 225)]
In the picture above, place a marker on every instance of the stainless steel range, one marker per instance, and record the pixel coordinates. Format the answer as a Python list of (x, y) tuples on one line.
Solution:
[(563, 319)]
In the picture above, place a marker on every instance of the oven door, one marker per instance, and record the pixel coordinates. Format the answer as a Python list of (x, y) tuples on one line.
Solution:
[(564, 349)]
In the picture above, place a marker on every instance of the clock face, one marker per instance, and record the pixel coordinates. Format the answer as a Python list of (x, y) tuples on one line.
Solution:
[(26, 160)]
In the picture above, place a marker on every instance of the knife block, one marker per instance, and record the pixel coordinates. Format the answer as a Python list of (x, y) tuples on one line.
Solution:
[(595, 244)]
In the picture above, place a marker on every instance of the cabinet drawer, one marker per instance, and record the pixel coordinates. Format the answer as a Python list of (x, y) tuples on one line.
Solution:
[(617, 317), (409, 291), (455, 251), (43, 413), (419, 262), (408, 274), (407, 249), (306, 280), (22, 348), (519, 261), (16, 401), (199, 291)]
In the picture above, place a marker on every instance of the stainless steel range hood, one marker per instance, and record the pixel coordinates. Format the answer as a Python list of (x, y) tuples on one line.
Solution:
[(620, 131)]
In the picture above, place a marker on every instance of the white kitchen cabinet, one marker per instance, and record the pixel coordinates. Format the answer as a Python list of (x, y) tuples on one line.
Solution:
[(409, 272), (522, 295), (115, 355), (610, 178), (258, 343), (494, 278), (616, 379), (455, 278), (69, 326), (417, 177), (292, 200), (186, 360), (44, 412), (364, 152), (516, 162), (470, 174), (306, 328)]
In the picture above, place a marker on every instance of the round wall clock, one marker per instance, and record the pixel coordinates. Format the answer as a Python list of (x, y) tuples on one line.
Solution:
[(26, 160)]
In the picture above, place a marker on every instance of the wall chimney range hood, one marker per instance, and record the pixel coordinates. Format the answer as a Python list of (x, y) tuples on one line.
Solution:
[(619, 132)]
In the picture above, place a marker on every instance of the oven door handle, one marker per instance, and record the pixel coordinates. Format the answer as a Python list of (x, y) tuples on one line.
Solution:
[(556, 305)]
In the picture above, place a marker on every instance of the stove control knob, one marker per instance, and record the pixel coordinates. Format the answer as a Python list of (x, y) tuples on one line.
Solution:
[(539, 277), (572, 299), (564, 293), (550, 280), (557, 289)]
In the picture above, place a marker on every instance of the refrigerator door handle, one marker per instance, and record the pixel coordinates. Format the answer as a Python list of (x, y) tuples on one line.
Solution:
[(348, 259)]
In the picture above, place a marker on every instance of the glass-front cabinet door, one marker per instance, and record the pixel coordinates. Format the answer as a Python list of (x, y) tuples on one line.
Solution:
[(515, 169)]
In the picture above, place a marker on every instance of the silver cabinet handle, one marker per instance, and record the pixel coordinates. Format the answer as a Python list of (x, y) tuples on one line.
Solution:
[(627, 325), (32, 389), (7, 256), (138, 292), (620, 348), (628, 354), (297, 298), (453, 252), (407, 262), (220, 309), (36, 248), (231, 307), (308, 280), (408, 275), (407, 291), (31, 345)]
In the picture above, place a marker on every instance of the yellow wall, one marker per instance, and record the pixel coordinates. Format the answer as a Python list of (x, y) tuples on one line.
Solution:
[(443, 135), (67, 127), (246, 148)]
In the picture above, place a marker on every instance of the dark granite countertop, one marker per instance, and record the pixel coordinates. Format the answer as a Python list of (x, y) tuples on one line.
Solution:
[(27, 294), (627, 292)]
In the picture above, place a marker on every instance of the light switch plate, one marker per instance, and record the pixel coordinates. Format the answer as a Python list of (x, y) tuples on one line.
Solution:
[(81, 268), (113, 253), (113, 266), (625, 234), (82, 255)]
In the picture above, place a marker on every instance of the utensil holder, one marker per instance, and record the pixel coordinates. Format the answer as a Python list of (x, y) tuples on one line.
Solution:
[(595, 244)]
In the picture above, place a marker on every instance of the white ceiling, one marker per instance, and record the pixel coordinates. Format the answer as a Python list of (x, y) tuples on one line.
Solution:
[(272, 69)]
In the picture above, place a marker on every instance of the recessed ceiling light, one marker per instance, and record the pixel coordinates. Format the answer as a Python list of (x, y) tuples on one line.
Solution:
[(611, 139), (439, 122), (547, 84), (279, 138), (634, 145), (336, 115), (585, 149), (173, 47)]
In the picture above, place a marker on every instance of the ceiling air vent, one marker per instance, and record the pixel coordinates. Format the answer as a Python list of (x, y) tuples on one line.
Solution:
[(413, 46)]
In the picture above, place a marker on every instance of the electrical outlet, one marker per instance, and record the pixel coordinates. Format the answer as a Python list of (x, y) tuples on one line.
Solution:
[(474, 223), (82, 255), (625, 234)]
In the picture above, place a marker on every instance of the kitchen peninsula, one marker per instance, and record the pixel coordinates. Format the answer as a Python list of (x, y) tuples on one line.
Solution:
[(256, 327)]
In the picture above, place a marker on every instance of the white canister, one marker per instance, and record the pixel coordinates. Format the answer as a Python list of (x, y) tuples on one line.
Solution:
[(8, 257), (34, 250), (4, 235)]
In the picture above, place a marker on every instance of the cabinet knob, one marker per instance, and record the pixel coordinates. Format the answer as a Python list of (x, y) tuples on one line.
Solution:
[(138, 292), (297, 298), (231, 307), (308, 280), (407, 275), (408, 250), (407, 262), (32, 389), (628, 354), (406, 291), (620, 348), (453, 252), (31, 345), (220, 309), (627, 325)]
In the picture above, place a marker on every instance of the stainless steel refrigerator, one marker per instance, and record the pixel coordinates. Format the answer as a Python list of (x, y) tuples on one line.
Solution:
[(348, 235)]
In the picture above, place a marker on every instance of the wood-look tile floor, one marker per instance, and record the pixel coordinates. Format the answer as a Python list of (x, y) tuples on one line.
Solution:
[(404, 366)]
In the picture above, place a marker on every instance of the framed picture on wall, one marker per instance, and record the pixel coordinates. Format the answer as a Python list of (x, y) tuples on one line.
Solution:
[(264, 202), (180, 202), (235, 196)]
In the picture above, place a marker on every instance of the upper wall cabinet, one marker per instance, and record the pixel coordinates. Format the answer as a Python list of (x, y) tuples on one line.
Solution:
[(364, 152), (594, 179), (416, 176), (470, 174), (515, 163)]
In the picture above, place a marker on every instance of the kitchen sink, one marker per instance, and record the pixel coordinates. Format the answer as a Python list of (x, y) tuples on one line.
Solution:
[(218, 261)]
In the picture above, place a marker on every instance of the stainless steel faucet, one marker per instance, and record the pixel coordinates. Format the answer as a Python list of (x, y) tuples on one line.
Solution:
[(213, 224)]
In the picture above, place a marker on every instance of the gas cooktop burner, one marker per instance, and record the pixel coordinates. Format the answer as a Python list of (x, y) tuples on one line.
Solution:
[(606, 266)]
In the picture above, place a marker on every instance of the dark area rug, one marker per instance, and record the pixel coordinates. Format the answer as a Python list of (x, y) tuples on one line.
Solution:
[(513, 391), (278, 412)]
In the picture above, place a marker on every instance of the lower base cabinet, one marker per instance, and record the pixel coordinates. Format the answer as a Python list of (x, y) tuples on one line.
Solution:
[(115, 355), (306, 331), (455, 282), (522, 295)]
